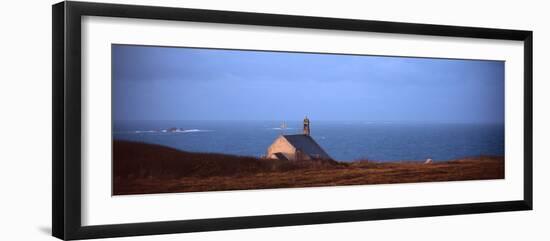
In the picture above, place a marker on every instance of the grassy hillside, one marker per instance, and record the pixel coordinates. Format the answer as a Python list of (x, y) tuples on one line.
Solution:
[(140, 168), (140, 160)]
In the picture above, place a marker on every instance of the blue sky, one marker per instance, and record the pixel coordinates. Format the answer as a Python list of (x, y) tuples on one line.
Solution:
[(164, 83)]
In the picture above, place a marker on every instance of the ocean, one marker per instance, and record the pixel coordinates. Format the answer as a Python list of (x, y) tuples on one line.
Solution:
[(343, 141)]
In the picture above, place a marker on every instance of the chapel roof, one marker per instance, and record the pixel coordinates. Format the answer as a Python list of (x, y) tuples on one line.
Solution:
[(307, 145)]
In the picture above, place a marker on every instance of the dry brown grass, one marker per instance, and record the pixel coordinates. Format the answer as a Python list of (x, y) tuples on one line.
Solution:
[(142, 168)]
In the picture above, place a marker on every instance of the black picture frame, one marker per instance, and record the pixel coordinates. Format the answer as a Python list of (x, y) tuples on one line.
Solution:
[(66, 75)]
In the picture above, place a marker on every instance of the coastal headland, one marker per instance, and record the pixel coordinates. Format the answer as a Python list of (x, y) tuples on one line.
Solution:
[(140, 168)]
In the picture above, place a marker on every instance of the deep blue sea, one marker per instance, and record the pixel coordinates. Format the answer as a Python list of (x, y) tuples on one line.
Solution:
[(343, 141)]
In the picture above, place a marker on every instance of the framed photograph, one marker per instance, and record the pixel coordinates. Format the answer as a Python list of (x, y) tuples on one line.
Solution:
[(169, 120)]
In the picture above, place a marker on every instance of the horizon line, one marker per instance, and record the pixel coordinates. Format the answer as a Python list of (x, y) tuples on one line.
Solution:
[(322, 120)]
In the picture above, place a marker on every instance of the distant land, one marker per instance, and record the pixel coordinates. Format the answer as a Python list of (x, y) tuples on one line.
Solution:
[(140, 168)]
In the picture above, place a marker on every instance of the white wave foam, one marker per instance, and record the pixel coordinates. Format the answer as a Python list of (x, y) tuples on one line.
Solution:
[(172, 130), (138, 132), (190, 130)]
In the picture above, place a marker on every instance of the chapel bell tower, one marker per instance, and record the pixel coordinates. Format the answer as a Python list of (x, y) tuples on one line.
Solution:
[(306, 126)]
